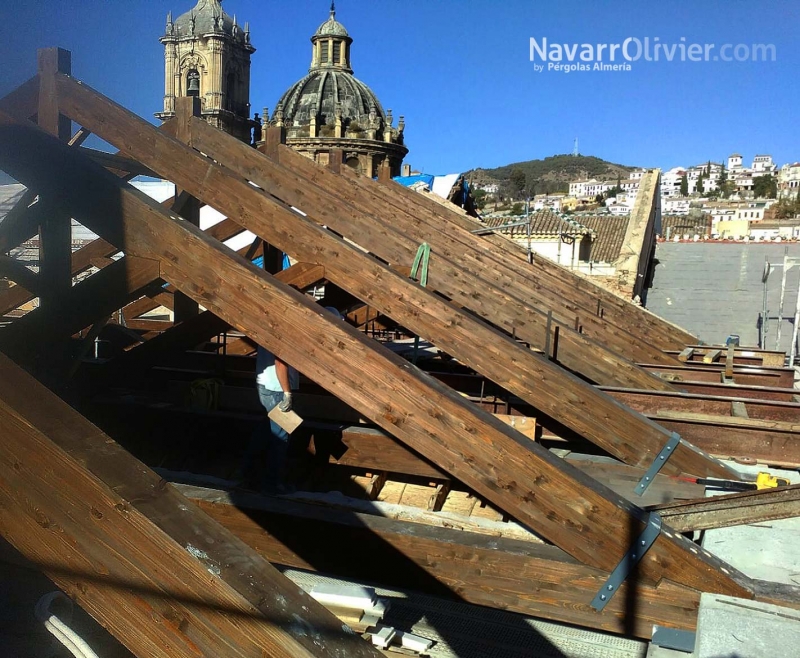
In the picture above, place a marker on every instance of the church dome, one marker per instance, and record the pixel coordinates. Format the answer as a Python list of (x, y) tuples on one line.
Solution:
[(207, 17), (330, 87), (322, 92), (331, 27)]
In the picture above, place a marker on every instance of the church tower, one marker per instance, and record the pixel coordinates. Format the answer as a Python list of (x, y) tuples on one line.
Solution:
[(207, 54)]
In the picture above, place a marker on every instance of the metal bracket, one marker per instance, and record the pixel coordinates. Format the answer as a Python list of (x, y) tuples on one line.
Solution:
[(658, 462), (628, 561)]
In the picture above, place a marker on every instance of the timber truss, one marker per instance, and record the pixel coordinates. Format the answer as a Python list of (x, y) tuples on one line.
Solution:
[(586, 364)]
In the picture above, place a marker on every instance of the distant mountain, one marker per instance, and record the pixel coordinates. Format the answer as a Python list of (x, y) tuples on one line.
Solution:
[(553, 174)]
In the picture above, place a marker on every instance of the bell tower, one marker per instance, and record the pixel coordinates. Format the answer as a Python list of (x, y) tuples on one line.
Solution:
[(207, 54)]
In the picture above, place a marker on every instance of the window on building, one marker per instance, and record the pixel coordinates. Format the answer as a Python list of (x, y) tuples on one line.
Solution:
[(323, 52), (337, 52)]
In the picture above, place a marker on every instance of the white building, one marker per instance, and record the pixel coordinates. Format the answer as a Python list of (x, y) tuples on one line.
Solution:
[(674, 206), (789, 180), (763, 164), (734, 162)]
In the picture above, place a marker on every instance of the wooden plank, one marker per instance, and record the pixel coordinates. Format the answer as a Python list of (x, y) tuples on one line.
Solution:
[(16, 270), (21, 222), (458, 271), (55, 229), (461, 330), (31, 339), (569, 508), (711, 372), (686, 354), (654, 401), (137, 555), (732, 509), (496, 572), (23, 102), (580, 290), (712, 356)]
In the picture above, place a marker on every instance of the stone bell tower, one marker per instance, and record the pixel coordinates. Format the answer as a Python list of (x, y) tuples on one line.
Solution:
[(207, 54)]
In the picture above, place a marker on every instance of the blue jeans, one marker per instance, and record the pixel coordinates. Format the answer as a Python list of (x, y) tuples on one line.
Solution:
[(265, 457)]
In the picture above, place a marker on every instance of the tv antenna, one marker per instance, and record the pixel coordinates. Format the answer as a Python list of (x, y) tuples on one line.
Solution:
[(575, 148)]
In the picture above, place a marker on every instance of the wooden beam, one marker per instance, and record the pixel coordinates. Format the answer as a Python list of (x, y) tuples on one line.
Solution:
[(55, 229), (15, 270), (21, 222), (23, 102), (580, 290), (569, 508), (30, 338), (532, 579), (732, 509), (547, 387), (185, 108), (118, 163), (458, 269), (138, 556)]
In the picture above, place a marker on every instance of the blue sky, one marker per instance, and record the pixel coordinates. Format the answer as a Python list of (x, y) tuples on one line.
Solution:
[(459, 71)]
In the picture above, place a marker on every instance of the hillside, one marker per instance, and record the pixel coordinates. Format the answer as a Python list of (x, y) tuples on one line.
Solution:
[(552, 174)]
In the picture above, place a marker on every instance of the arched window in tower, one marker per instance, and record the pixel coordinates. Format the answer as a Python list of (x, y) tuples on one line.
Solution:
[(323, 52), (337, 52), (230, 92), (192, 83)]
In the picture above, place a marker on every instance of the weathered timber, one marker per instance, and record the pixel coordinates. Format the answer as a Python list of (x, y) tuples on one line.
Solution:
[(55, 229), (21, 222), (201, 328), (23, 102), (502, 573), (16, 270), (375, 450), (569, 508), (740, 390), (580, 290), (118, 163), (142, 559), (652, 402), (533, 378), (712, 372), (457, 270), (30, 337), (732, 509)]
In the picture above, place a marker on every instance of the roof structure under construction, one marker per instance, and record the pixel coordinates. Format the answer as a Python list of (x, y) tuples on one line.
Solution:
[(482, 432)]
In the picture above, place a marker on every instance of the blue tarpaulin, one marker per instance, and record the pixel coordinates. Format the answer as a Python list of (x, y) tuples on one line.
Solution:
[(408, 181)]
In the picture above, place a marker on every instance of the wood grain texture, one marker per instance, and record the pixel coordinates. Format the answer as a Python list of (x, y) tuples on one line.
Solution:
[(478, 449), (138, 556)]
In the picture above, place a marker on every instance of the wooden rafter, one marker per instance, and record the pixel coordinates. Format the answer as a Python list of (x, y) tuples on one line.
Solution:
[(569, 508)]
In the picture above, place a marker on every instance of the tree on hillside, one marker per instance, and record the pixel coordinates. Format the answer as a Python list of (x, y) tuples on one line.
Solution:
[(684, 185), (698, 187), (765, 187), (723, 184), (518, 181), (480, 198)]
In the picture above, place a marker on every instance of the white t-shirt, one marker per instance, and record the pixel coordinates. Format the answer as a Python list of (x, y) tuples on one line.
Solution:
[(265, 372)]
